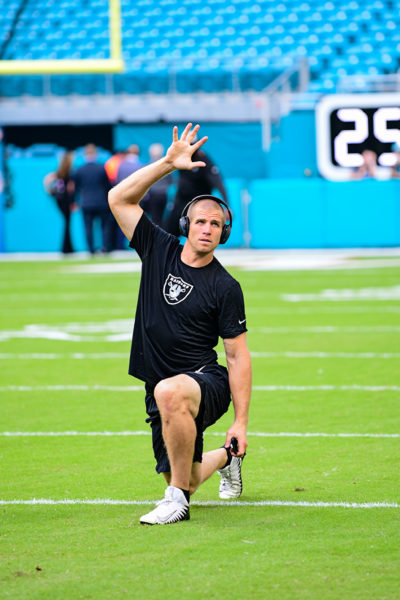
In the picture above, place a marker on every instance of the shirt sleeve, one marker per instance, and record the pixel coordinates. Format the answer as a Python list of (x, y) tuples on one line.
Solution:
[(143, 237), (231, 314), (148, 236)]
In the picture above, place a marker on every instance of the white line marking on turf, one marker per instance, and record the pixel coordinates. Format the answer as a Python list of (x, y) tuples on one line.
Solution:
[(123, 355), (320, 310), (207, 433), (327, 388), (72, 388), (260, 388), (236, 503), (117, 330), (383, 293), (332, 329), (71, 355), (318, 354), (120, 330)]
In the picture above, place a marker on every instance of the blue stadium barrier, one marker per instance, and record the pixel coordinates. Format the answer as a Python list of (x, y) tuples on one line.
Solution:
[(235, 147), (234, 189), (34, 223), (2, 207), (315, 213)]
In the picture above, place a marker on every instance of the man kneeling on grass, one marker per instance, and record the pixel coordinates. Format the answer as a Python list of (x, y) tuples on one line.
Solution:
[(186, 301)]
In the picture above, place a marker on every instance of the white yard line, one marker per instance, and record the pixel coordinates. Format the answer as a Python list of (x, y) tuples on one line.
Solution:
[(72, 388), (228, 503), (319, 310), (120, 330), (259, 388), (331, 329), (207, 433), (66, 355), (318, 354), (262, 354), (327, 388)]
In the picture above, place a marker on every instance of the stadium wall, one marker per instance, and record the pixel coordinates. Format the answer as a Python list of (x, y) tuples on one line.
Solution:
[(315, 213), (275, 205), (293, 149), (281, 213), (235, 147)]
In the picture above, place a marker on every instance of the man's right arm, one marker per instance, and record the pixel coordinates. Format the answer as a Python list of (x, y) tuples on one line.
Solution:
[(124, 198)]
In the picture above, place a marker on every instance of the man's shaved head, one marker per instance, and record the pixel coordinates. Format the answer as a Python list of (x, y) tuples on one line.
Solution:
[(208, 205)]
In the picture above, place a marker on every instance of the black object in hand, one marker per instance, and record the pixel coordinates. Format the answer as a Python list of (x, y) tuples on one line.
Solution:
[(234, 445)]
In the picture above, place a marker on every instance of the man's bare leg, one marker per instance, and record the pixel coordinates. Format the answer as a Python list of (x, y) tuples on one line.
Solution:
[(211, 462), (178, 399)]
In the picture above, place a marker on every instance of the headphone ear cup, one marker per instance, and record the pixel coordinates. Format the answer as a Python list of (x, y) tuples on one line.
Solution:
[(184, 225), (226, 232)]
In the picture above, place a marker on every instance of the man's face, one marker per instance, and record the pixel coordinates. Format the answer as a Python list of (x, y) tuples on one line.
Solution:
[(206, 222)]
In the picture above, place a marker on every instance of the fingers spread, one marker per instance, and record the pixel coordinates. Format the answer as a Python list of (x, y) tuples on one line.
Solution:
[(197, 145), (175, 134), (185, 132), (193, 133)]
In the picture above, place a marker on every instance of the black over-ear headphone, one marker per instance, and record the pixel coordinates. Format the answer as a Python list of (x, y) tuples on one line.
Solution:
[(184, 221)]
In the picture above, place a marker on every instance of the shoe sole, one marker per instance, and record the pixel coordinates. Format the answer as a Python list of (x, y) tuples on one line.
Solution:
[(185, 518)]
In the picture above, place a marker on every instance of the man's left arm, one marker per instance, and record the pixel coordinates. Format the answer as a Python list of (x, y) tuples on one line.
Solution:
[(239, 369)]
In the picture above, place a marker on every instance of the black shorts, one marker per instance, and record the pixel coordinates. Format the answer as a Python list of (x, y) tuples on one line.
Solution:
[(215, 400)]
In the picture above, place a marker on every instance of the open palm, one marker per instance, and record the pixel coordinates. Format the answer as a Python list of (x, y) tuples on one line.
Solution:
[(181, 150)]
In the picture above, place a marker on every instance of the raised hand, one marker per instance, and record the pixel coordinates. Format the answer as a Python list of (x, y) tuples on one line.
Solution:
[(180, 152)]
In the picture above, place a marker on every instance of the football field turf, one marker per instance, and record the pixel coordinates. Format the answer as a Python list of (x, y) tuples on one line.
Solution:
[(320, 512)]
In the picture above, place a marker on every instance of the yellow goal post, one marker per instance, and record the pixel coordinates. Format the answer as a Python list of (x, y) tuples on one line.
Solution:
[(114, 64)]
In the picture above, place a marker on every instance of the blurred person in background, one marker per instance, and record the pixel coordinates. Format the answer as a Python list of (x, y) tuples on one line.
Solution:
[(92, 185), (155, 201), (368, 169), (60, 185), (129, 163), (195, 182), (395, 171), (112, 165), (7, 182)]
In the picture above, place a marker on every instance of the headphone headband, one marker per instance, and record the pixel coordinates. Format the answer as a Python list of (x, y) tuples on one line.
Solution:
[(184, 219)]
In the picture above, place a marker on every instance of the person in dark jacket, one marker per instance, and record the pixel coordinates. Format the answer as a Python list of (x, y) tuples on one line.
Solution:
[(61, 187), (155, 200), (195, 182), (92, 185)]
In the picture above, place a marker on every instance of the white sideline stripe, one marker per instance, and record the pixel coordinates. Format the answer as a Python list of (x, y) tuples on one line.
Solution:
[(226, 503), (317, 354), (211, 433), (123, 355), (120, 330), (73, 355), (312, 388), (71, 388), (260, 388), (332, 329)]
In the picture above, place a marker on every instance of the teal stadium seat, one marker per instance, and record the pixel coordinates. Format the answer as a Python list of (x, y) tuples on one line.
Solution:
[(159, 37)]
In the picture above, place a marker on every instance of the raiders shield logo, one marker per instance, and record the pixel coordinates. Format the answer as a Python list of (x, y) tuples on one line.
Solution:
[(175, 289)]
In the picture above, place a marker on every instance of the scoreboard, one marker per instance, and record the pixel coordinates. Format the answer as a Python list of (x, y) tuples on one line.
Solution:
[(348, 124)]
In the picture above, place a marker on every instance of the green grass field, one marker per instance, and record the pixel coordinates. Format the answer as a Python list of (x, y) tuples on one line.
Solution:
[(319, 516)]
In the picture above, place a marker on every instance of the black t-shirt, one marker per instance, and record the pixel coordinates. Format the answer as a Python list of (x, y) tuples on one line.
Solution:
[(181, 310)]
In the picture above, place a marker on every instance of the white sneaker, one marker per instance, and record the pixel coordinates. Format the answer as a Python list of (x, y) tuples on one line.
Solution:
[(231, 485), (173, 508)]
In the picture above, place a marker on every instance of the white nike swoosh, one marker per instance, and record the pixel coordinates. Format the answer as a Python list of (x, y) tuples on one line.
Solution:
[(241, 322)]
